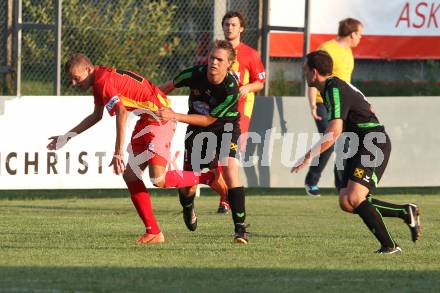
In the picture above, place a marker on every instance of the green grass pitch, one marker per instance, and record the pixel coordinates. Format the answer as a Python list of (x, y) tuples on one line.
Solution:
[(297, 244)]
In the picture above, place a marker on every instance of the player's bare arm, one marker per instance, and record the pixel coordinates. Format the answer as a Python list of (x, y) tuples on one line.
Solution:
[(311, 95), (252, 87), (59, 141), (193, 119), (332, 133), (121, 126)]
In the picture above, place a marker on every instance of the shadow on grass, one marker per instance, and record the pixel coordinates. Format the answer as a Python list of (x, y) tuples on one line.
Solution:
[(251, 191), (100, 279)]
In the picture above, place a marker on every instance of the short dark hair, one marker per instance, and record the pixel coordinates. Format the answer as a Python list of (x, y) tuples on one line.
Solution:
[(348, 26), (75, 60), (231, 14), (321, 61), (227, 46)]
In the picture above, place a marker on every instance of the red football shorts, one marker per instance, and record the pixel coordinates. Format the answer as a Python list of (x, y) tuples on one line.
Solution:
[(154, 137)]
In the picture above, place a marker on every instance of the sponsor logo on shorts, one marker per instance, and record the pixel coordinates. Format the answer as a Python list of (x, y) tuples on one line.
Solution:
[(367, 178), (359, 173)]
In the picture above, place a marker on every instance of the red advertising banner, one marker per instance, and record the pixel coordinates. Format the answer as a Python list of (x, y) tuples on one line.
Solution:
[(290, 45), (393, 29)]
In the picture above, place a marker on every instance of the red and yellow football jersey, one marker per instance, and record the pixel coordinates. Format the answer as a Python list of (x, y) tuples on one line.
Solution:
[(248, 66), (114, 87)]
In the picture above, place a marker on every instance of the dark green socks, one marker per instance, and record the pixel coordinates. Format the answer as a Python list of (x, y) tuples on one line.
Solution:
[(236, 201), (373, 219), (387, 209)]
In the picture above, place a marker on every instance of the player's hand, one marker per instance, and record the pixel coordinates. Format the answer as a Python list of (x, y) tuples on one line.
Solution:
[(300, 164), (315, 113), (57, 142), (244, 90), (118, 164), (165, 114)]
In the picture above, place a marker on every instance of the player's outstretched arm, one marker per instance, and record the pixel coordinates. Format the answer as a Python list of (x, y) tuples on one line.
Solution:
[(193, 119), (59, 141), (329, 138)]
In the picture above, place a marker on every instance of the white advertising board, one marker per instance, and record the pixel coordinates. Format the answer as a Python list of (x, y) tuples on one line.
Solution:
[(26, 123), (286, 13)]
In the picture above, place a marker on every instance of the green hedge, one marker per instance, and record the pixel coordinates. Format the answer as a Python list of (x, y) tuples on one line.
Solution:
[(279, 86)]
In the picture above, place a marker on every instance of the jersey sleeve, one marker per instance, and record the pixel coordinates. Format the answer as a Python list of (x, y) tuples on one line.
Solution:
[(105, 94), (257, 72), (185, 78), (337, 106)]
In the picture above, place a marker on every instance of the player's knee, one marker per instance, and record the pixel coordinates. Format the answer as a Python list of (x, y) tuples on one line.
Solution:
[(346, 207), (231, 176), (345, 204), (191, 190), (355, 201), (188, 191)]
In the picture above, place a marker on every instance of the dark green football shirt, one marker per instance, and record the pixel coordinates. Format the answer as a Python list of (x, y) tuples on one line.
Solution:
[(218, 100), (346, 102)]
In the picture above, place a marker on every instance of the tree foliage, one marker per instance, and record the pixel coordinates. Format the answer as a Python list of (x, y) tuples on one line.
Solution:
[(130, 34)]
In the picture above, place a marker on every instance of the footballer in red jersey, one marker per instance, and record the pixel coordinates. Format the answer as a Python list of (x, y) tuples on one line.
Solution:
[(247, 66), (250, 72), (114, 87), (121, 91)]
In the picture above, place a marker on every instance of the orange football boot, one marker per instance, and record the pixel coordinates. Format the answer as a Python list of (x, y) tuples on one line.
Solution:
[(148, 238)]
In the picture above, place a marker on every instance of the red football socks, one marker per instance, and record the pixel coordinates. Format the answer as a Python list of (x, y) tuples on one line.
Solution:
[(177, 178), (223, 196), (141, 200)]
